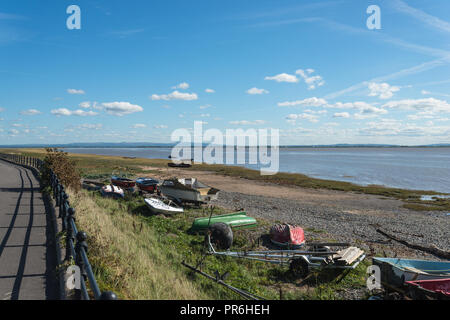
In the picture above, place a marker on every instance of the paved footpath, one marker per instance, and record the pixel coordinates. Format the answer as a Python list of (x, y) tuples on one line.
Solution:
[(27, 252)]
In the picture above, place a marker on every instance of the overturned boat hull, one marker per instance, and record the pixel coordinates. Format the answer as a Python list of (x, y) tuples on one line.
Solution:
[(236, 220)]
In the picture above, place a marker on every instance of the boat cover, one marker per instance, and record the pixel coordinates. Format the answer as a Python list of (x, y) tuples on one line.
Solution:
[(285, 234)]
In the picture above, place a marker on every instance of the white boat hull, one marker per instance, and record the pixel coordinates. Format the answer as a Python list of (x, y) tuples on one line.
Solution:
[(159, 207)]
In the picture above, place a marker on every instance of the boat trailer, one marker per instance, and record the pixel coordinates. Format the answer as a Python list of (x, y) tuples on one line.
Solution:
[(318, 255)]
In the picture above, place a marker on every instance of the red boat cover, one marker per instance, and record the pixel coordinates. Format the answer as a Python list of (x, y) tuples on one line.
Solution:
[(287, 234), (438, 285)]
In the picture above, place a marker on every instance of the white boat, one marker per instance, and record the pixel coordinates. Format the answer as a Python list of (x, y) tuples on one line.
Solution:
[(112, 191), (158, 206), (188, 190)]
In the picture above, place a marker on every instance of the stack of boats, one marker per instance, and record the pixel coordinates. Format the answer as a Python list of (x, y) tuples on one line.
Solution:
[(175, 192)]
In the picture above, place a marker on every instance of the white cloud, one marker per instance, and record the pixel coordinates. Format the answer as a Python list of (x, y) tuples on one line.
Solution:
[(247, 123), (425, 92), (30, 112), (427, 104), (139, 125), (90, 126), (75, 91), (67, 112), (341, 115), (311, 81), (256, 91), (421, 15), (13, 132), (382, 90), (17, 125), (283, 77), (306, 116), (183, 85), (121, 108), (205, 115), (160, 126), (209, 90), (206, 106), (85, 104), (309, 102), (176, 95)]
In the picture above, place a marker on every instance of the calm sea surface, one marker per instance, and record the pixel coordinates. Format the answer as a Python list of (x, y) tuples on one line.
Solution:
[(409, 168)]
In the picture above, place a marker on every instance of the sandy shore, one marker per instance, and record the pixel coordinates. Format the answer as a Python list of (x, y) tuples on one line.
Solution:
[(330, 215)]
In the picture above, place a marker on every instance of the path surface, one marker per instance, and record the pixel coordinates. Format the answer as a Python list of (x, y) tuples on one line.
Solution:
[(27, 252)]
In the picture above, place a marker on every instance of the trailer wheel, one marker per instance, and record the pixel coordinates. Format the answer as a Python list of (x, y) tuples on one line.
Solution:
[(221, 235), (299, 267)]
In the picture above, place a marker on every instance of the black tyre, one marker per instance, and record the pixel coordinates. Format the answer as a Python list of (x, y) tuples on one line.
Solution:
[(221, 235), (299, 267)]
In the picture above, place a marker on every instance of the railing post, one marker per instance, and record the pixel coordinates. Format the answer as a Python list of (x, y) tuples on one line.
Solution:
[(80, 245), (69, 233), (63, 207)]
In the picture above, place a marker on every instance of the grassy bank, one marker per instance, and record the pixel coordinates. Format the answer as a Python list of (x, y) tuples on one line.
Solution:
[(95, 166)]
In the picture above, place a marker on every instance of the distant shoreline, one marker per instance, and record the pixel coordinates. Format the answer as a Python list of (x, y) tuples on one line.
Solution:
[(125, 146)]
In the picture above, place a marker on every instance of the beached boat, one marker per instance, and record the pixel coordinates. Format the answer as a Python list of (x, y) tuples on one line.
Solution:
[(395, 271), (122, 182), (429, 289), (179, 165), (158, 206), (147, 184), (236, 220), (286, 235), (112, 191), (188, 190)]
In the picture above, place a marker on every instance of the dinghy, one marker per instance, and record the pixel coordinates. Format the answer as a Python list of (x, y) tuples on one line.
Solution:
[(112, 191), (158, 206), (147, 184), (236, 220), (122, 182), (396, 271), (286, 235)]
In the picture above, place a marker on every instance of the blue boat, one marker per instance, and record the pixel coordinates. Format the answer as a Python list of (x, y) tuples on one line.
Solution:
[(395, 271)]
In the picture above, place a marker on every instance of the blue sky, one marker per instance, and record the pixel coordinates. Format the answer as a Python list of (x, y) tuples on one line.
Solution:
[(137, 70)]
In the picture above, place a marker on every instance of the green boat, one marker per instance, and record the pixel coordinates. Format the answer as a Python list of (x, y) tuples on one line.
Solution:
[(236, 220)]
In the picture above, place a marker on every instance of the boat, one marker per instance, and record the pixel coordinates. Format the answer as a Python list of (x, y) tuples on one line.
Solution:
[(236, 220), (286, 235), (179, 165), (158, 206), (396, 271), (112, 191), (123, 182), (429, 289), (188, 190), (147, 184)]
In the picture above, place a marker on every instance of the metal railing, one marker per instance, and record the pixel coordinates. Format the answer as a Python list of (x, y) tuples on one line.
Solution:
[(75, 241)]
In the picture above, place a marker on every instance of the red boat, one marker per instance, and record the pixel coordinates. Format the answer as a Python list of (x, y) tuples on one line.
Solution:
[(147, 184), (424, 289), (287, 235), (122, 182)]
